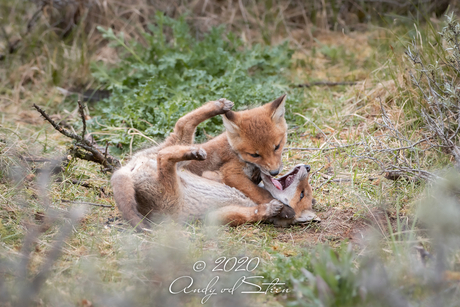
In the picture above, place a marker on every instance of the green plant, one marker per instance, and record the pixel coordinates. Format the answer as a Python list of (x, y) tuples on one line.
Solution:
[(155, 85), (332, 280)]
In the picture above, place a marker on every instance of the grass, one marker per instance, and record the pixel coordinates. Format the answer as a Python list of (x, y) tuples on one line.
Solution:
[(104, 263)]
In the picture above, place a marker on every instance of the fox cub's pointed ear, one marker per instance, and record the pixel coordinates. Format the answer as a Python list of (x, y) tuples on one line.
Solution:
[(229, 122), (277, 108)]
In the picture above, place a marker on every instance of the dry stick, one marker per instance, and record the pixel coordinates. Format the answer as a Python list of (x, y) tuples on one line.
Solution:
[(322, 149), (403, 148), (77, 182), (328, 83), (58, 127), (106, 148), (81, 109), (94, 155), (85, 203)]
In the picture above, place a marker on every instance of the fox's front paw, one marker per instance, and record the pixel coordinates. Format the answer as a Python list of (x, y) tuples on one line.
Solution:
[(273, 208), (287, 212), (197, 154), (224, 105)]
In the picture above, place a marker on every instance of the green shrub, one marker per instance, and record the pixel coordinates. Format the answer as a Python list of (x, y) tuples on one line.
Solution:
[(160, 83)]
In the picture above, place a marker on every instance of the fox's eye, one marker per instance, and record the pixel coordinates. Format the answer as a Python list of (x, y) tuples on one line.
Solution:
[(255, 155), (278, 146), (301, 195)]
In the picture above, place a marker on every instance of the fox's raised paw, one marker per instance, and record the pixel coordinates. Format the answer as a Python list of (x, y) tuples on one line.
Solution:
[(273, 208), (197, 154), (224, 105)]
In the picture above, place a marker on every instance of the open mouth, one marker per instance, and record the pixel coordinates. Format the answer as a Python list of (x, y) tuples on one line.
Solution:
[(285, 181)]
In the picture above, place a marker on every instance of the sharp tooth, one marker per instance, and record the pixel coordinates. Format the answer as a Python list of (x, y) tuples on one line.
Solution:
[(289, 180)]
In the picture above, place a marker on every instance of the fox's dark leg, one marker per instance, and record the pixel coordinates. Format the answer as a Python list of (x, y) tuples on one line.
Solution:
[(238, 215), (184, 130)]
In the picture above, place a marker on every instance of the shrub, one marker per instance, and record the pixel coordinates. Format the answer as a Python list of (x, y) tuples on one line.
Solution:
[(155, 85)]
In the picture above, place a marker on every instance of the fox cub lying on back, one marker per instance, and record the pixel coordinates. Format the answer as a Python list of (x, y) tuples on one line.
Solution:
[(157, 181)]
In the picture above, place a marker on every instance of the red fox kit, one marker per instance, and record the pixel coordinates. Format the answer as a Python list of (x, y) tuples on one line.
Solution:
[(156, 181), (293, 189), (252, 145)]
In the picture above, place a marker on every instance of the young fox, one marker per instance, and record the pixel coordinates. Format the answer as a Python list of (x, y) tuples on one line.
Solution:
[(252, 145), (156, 182)]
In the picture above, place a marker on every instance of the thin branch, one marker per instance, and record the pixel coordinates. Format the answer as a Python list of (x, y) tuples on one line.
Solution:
[(322, 149), (327, 83), (59, 127), (92, 153), (85, 203), (81, 109), (106, 148)]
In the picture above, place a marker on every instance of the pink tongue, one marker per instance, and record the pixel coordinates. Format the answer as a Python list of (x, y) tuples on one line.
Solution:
[(277, 184)]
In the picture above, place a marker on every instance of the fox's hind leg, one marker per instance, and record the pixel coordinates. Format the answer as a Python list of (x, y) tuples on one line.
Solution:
[(184, 129), (237, 215), (166, 165)]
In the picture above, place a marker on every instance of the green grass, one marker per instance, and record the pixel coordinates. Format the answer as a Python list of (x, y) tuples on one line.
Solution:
[(114, 266)]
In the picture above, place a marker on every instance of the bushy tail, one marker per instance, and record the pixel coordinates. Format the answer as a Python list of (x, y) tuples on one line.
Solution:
[(124, 194)]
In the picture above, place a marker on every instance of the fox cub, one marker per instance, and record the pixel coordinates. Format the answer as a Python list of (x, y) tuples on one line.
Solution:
[(251, 145), (165, 180)]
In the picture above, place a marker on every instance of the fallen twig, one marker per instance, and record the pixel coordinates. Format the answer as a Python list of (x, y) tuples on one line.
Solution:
[(83, 148), (327, 83), (322, 149), (77, 182), (85, 203), (81, 109)]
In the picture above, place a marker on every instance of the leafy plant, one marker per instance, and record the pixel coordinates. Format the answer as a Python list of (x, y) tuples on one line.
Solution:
[(155, 85), (332, 280)]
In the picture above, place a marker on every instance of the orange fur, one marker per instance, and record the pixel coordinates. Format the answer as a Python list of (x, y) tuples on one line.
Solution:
[(261, 131), (150, 184)]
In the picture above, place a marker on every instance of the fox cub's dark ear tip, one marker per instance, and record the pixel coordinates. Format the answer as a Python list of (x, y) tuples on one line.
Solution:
[(277, 102), (281, 98), (277, 107)]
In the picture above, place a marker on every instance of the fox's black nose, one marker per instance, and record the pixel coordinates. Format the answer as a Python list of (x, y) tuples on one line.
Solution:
[(274, 173), (307, 167)]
